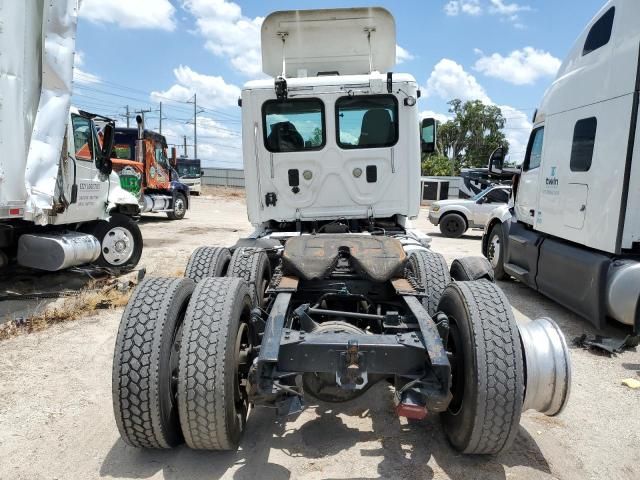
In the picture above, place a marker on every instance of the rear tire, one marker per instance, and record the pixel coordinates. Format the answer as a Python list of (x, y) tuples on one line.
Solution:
[(179, 207), (453, 225), (120, 242), (207, 262), (431, 272), (145, 362), (467, 269), (213, 402), (487, 368), (495, 252), (252, 265)]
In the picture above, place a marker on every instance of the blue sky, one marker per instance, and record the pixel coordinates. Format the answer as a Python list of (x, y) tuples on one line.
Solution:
[(141, 52)]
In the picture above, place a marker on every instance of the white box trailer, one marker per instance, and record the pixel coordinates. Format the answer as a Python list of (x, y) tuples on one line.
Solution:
[(574, 230), (60, 204)]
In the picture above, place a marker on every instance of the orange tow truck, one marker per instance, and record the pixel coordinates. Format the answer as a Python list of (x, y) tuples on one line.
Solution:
[(139, 156)]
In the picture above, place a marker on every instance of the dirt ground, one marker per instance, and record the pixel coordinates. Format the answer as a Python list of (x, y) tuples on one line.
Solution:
[(56, 419)]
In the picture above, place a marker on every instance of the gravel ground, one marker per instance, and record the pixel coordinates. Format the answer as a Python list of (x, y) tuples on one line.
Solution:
[(56, 419)]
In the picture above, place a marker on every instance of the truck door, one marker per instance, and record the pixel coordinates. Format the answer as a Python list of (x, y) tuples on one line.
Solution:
[(526, 201), (91, 187)]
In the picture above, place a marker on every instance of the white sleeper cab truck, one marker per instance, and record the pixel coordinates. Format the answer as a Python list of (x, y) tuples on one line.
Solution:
[(574, 230), (334, 291), (60, 204)]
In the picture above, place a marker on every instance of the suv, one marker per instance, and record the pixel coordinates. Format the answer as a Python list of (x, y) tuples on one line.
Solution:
[(455, 216)]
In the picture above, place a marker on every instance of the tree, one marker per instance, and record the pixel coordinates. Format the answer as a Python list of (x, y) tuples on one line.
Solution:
[(468, 139), (437, 165)]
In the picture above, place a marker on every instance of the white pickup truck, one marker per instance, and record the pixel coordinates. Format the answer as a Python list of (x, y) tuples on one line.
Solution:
[(455, 216)]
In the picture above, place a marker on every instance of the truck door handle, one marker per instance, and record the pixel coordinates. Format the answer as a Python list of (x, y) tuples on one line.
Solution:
[(532, 213), (583, 208)]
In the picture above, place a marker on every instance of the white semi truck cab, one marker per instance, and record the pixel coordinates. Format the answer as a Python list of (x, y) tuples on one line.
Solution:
[(60, 203), (332, 145), (573, 231)]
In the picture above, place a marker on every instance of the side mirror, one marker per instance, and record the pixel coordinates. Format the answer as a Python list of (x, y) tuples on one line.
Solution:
[(480, 201), (108, 136), (428, 135), (496, 161)]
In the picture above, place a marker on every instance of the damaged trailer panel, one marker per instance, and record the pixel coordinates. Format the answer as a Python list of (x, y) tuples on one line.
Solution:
[(35, 86)]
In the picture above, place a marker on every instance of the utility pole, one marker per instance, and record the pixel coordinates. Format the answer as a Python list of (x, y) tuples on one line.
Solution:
[(195, 127), (185, 146), (127, 116), (160, 118)]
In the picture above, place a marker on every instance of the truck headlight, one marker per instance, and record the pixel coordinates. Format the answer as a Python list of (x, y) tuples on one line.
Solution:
[(435, 208)]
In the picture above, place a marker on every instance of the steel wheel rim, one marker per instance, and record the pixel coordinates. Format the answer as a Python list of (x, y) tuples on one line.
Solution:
[(494, 251), (178, 208), (455, 352), (451, 226), (118, 246), (241, 399)]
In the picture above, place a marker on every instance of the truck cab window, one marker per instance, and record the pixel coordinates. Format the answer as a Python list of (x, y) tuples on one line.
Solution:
[(584, 138), (83, 137), (367, 122), (293, 125), (161, 157), (534, 150), (600, 32)]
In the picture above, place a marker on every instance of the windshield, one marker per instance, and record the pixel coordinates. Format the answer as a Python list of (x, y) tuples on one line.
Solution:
[(479, 195), (188, 170)]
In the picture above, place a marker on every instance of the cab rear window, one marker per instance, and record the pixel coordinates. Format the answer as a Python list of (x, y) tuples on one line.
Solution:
[(367, 121), (294, 125)]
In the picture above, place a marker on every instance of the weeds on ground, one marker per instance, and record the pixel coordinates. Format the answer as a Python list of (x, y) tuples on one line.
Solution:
[(67, 309)]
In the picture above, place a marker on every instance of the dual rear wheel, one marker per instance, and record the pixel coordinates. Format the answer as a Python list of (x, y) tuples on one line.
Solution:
[(184, 350), (183, 353)]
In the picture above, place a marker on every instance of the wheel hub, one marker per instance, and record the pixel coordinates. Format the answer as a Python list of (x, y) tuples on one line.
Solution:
[(179, 207), (494, 251), (117, 246)]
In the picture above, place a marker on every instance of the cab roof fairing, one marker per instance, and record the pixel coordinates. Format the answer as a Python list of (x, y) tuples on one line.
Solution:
[(348, 40)]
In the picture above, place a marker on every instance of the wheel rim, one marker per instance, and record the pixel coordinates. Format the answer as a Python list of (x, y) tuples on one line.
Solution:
[(242, 351), (451, 226), (117, 246), (494, 251), (178, 208), (456, 359)]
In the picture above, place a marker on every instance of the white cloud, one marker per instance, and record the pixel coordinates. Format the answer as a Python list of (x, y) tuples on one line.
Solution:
[(517, 130), (145, 14), (509, 11), (403, 55), (79, 75), (212, 90), (449, 80), (456, 7), (217, 143), (228, 33), (520, 67)]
